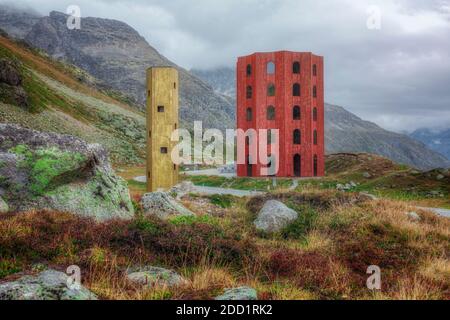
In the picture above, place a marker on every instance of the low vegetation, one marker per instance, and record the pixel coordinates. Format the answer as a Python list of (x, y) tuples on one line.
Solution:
[(323, 255)]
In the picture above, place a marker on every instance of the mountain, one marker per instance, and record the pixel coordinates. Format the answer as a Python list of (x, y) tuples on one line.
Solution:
[(438, 141), (17, 22), (223, 80), (345, 132), (39, 93), (116, 54)]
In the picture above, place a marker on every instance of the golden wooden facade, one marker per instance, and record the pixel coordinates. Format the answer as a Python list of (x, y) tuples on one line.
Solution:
[(162, 120)]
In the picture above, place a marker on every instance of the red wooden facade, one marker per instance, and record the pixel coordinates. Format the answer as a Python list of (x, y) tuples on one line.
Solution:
[(285, 91)]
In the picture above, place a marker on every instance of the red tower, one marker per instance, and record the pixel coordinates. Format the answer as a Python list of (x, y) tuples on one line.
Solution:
[(285, 91)]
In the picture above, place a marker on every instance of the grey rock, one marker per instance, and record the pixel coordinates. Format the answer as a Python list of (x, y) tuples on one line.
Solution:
[(274, 216), (353, 184), (9, 73), (17, 23), (4, 208), (59, 172), (162, 205), (239, 294), (367, 175), (182, 189), (155, 276), (48, 285), (440, 177), (368, 196), (414, 216)]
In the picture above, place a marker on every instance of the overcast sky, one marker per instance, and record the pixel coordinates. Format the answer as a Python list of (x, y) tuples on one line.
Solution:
[(397, 76)]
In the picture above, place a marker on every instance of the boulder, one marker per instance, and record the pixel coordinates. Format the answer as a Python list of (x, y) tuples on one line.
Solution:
[(4, 208), (274, 216), (440, 177), (162, 205), (9, 73), (241, 294), (48, 285), (154, 276), (59, 172)]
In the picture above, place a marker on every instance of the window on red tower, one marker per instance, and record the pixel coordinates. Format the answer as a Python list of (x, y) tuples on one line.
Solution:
[(315, 114), (296, 90), (270, 113), (296, 67), (315, 137), (269, 137), (249, 114), (271, 90), (315, 92), (297, 137), (249, 92), (314, 70), (249, 70), (296, 113), (270, 68)]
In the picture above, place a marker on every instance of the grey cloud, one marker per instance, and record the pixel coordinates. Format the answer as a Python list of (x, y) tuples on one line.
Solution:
[(398, 76)]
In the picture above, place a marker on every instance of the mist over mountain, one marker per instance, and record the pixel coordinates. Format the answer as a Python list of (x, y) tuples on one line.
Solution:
[(437, 140)]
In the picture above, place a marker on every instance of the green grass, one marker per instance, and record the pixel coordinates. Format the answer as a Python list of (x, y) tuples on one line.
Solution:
[(223, 201), (258, 184)]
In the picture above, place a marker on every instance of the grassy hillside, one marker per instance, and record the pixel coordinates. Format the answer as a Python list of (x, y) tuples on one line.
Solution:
[(64, 99)]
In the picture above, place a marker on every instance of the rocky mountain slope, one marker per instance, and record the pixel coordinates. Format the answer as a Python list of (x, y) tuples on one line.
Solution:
[(115, 53), (438, 141), (345, 132), (41, 94)]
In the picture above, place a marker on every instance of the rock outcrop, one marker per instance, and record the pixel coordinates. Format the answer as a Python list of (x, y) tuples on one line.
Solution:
[(154, 276), (11, 90), (48, 285), (59, 172), (162, 205), (274, 216), (239, 294)]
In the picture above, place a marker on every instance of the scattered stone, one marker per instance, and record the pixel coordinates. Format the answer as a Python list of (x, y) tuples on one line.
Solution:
[(367, 175), (274, 216), (182, 189), (353, 184), (48, 285), (414, 216), (228, 169), (154, 276), (59, 172), (162, 205), (440, 177), (240, 294), (368, 196), (4, 208)]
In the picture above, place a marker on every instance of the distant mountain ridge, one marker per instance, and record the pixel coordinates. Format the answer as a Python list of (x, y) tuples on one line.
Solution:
[(116, 54), (345, 132), (438, 141)]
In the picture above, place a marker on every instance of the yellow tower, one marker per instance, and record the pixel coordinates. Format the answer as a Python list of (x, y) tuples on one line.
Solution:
[(162, 120)]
